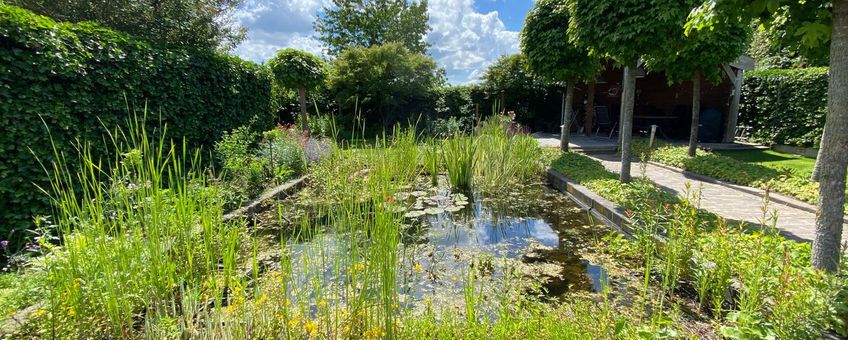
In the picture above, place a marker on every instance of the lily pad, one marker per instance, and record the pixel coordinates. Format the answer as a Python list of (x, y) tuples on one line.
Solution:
[(414, 214), (418, 193), (453, 209), (461, 203), (434, 211)]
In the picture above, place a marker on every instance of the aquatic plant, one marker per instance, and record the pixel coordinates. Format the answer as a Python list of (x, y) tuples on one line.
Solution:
[(460, 157)]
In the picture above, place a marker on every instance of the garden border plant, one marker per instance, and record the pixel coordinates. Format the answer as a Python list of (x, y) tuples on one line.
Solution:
[(79, 78)]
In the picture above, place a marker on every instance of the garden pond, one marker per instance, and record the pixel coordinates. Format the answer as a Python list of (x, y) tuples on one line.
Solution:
[(532, 238)]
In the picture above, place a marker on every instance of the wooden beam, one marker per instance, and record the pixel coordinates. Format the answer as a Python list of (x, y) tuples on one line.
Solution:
[(733, 113), (744, 63)]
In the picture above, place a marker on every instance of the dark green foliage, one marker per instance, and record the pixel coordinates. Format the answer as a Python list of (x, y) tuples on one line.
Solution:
[(549, 51), (76, 78), (511, 75), (785, 106), (295, 69), (204, 24), (701, 51), (356, 23), (625, 29), (771, 50), (387, 83)]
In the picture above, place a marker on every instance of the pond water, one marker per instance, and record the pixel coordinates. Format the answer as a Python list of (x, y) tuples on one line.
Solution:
[(528, 238)]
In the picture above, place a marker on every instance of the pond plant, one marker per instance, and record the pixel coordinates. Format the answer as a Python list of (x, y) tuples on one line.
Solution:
[(142, 251)]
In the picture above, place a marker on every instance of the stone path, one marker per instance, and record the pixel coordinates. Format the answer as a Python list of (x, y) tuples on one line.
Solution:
[(729, 202)]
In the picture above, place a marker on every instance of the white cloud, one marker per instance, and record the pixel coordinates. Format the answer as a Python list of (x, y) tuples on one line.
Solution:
[(463, 41), (276, 24)]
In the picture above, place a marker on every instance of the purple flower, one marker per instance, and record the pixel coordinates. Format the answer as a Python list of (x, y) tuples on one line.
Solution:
[(4, 244)]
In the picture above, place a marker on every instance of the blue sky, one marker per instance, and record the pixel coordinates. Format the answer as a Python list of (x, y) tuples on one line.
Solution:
[(466, 36)]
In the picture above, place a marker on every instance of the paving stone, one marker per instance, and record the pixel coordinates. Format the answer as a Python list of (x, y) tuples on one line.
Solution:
[(726, 201)]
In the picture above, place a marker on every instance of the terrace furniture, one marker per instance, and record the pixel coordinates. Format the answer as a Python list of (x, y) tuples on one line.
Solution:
[(603, 120)]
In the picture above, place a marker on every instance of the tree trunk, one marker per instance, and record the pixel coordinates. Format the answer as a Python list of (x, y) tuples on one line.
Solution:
[(565, 129), (589, 120), (696, 113), (628, 100), (833, 159), (301, 93)]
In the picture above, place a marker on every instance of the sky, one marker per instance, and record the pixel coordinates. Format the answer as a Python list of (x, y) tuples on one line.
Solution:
[(466, 36)]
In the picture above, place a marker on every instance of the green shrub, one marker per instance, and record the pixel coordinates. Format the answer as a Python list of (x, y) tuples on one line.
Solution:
[(785, 106), (78, 78)]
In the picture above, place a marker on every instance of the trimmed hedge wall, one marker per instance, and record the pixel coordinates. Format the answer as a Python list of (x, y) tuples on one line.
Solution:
[(785, 106), (75, 76)]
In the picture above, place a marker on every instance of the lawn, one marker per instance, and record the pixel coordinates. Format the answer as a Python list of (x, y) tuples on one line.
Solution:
[(773, 159)]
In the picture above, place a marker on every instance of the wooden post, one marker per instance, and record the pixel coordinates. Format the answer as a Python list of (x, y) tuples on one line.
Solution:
[(733, 113), (589, 120)]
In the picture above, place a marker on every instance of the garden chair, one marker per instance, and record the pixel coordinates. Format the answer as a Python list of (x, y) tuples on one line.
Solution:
[(604, 122)]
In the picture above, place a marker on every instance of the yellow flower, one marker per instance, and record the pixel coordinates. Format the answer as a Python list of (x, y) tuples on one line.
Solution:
[(374, 333), (262, 299), (38, 312), (293, 322), (309, 327), (359, 266), (453, 278), (418, 267), (322, 303)]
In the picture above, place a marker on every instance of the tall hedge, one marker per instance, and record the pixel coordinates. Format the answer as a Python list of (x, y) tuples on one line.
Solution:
[(785, 106), (78, 78)]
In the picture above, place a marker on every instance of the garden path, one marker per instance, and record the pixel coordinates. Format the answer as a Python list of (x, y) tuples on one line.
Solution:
[(796, 219)]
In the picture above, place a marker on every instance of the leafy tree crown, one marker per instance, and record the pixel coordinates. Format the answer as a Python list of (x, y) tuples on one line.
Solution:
[(700, 51), (204, 24), (625, 29), (366, 23), (383, 78), (295, 69), (548, 50)]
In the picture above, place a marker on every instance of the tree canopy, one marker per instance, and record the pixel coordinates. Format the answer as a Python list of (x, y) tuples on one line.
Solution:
[(295, 69), (548, 50), (806, 23), (366, 23), (193, 23), (510, 73), (381, 79), (701, 51), (624, 29)]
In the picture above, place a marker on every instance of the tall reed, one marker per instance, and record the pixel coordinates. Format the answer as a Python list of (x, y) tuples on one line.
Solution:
[(137, 235)]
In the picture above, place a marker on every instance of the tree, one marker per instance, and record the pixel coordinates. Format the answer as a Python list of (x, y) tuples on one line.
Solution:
[(625, 30), (700, 55), (511, 80), (301, 71), (186, 23), (553, 57), (381, 79), (366, 23), (815, 23)]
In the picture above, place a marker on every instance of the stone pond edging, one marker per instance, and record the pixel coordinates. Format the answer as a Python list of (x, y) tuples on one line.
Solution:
[(610, 213), (283, 190)]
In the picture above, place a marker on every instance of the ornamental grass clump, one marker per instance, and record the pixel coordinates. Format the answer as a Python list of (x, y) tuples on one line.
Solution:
[(137, 236)]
